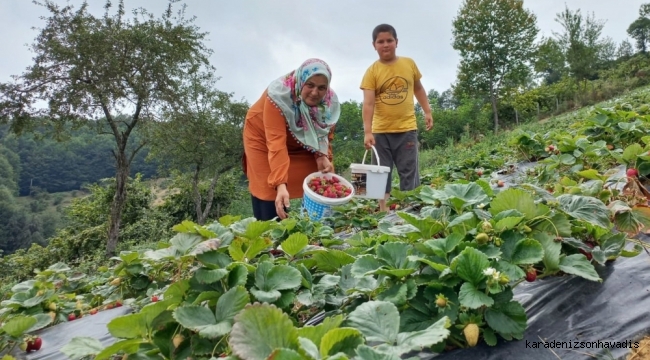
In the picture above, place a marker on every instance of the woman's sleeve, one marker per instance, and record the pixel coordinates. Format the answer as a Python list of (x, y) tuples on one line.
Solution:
[(275, 129)]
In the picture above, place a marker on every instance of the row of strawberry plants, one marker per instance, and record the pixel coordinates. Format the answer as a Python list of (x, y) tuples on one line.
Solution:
[(443, 278)]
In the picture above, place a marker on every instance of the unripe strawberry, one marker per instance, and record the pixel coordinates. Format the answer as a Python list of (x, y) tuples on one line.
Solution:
[(471, 334), (482, 238), (178, 339)]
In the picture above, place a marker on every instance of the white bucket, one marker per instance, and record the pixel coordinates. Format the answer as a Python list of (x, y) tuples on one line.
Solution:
[(369, 180)]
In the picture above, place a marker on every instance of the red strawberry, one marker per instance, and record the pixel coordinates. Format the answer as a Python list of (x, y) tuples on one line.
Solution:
[(632, 172), (154, 298), (118, 303), (71, 317), (531, 275), (93, 311), (34, 344)]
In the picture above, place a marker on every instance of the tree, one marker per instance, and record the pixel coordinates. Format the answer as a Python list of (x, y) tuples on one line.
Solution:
[(88, 67), (625, 50), (202, 136), (495, 41), (348, 139), (550, 61), (639, 30), (581, 43)]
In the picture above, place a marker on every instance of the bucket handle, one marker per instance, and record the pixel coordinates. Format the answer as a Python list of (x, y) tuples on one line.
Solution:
[(366, 153)]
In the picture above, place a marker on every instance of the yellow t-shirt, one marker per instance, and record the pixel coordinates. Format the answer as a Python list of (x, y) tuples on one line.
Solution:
[(393, 85)]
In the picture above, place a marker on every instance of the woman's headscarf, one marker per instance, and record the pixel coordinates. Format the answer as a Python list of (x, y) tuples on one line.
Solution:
[(310, 125)]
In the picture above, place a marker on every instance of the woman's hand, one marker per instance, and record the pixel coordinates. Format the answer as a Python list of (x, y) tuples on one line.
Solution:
[(282, 201), (324, 164)]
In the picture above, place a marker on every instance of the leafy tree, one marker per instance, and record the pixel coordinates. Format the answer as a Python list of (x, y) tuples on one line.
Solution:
[(348, 139), (625, 50), (639, 30), (495, 41), (202, 136), (581, 43), (88, 67), (550, 61)]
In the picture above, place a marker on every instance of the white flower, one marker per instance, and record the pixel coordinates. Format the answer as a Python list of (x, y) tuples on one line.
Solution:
[(489, 271), (480, 206)]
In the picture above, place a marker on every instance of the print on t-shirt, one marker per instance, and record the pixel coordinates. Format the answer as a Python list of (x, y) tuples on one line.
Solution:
[(394, 90)]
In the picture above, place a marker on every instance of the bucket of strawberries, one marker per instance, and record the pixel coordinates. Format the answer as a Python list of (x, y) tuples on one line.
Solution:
[(324, 190)]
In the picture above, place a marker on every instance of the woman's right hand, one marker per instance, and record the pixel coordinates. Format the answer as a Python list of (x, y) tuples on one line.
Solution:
[(282, 201), (369, 140)]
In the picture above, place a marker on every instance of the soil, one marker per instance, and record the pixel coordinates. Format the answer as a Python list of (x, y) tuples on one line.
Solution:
[(643, 352)]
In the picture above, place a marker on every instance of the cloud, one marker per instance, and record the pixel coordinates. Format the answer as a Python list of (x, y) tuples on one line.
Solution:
[(256, 41)]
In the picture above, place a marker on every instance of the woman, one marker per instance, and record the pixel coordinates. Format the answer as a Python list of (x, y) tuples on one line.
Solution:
[(287, 136)]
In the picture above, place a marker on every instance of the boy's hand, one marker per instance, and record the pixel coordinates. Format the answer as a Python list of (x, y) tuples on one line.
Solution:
[(369, 140), (428, 118)]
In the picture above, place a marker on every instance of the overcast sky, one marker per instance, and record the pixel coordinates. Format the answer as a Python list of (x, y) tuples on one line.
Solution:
[(256, 41)]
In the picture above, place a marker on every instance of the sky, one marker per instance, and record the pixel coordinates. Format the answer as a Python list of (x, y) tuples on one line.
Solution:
[(257, 41)]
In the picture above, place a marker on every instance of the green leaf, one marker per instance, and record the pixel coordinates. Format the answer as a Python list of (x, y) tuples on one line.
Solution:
[(183, 242), (514, 199), (508, 223), (377, 321), (490, 337), (294, 243), (269, 277), (631, 152), (395, 294), (469, 265), (426, 226), (343, 340), (513, 272), (81, 347), (128, 346), (42, 320), (202, 320), (527, 251), (259, 329), (316, 333), (365, 264), (19, 325), (509, 320), (591, 174), (365, 352), (433, 265), (237, 275), (309, 347), (552, 251), (585, 208), (127, 326), (473, 298), (577, 264), (419, 340), (231, 303), (395, 255), (209, 276), (332, 260), (285, 354), (214, 259)]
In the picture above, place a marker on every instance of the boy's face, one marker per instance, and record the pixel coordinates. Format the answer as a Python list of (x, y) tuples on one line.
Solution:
[(385, 45)]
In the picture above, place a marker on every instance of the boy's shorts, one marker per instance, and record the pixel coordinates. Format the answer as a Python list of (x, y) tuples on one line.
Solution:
[(400, 150)]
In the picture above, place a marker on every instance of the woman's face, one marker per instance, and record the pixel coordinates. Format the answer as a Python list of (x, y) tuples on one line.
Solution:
[(314, 90)]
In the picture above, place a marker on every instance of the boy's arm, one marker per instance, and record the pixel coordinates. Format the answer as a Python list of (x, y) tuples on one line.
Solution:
[(423, 100), (367, 113)]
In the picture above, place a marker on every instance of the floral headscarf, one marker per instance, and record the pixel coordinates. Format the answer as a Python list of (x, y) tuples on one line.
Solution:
[(310, 125)]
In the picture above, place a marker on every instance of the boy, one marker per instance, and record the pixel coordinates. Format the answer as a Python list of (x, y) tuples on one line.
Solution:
[(389, 120)]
